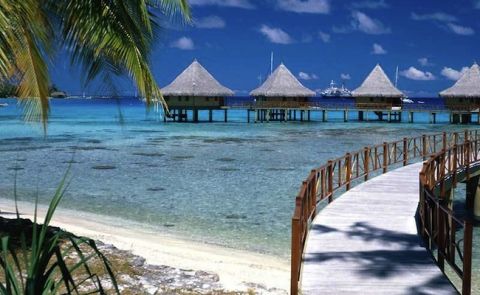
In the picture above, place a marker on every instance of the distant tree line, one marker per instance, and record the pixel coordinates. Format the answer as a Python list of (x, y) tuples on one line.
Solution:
[(9, 89)]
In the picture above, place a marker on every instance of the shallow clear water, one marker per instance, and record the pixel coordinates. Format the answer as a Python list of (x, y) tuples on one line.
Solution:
[(231, 184)]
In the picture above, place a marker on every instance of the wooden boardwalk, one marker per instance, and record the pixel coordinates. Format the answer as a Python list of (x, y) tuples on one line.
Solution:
[(366, 242)]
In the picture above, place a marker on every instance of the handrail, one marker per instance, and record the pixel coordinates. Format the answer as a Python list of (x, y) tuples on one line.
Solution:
[(439, 225), (352, 168)]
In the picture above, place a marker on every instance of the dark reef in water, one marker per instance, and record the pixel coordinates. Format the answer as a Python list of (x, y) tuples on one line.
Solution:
[(104, 167)]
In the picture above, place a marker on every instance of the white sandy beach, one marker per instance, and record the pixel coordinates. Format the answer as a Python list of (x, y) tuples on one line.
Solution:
[(234, 267)]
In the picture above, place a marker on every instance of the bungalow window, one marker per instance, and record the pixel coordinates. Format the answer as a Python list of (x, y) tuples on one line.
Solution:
[(179, 98), (206, 98), (186, 98)]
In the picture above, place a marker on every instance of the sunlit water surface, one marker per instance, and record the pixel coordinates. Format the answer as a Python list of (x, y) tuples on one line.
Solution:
[(231, 184)]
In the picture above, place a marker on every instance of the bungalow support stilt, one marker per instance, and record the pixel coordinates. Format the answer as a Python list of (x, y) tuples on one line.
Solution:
[(195, 115)]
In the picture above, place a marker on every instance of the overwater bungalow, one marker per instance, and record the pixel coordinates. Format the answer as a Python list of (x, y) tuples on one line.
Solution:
[(464, 96), (377, 92), (282, 89), (280, 93), (195, 89)]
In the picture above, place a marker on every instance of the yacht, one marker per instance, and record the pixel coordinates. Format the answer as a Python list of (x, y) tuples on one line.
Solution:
[(334, 91)]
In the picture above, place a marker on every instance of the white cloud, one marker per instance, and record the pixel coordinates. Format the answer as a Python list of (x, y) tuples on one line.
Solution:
[(184, 43), (378, 49), (345, 76), (436, 16), (210, 22), (306, 76), (453, 74), (276, 35), (461, 30), (446, 18), (226, 3), (424, 62), (368, 25), (413, 73), (305, 6), (325, 37), (370, 4)]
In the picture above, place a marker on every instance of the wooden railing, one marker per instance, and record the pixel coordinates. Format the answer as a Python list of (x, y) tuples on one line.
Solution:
[(439, 225), (341, 174)]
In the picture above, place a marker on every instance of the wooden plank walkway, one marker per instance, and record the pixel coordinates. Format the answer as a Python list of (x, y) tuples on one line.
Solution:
[(366, 242)]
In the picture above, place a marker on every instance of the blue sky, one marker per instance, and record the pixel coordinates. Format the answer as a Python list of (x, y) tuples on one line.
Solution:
[(431, 41)]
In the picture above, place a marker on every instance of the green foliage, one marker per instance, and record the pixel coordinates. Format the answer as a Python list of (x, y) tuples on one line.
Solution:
[(108, 37), (7, 90), (37, 264)]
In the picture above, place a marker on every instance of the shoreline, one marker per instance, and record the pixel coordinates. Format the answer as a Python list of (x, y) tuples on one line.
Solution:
[(238, 270)]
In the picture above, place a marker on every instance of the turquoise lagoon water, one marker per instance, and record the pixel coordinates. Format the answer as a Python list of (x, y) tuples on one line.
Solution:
[(231, 184)]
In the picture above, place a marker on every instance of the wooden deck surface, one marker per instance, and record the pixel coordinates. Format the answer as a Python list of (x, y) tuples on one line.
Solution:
[(366, 242)]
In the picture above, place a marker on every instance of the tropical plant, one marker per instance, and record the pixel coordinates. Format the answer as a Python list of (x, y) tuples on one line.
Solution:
[(7, 89), (37, 263), (108, 37)]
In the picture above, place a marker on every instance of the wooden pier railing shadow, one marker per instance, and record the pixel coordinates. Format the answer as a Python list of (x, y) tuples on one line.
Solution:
[(448, 155)]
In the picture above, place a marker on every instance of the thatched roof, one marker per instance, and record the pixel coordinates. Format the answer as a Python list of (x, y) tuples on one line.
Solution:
[(196, 81), (281, 83), (467, 86), (377, 84)]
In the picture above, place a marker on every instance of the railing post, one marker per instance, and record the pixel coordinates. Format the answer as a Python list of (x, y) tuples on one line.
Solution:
[(405, 151), (467, 158), (330, 181), (348, 171), (455, 138), (444, 141), (295, 256), (424, 147), (366, 162), (385, 157), (313, 192), (467, 258), (454, 165), (441, 234)]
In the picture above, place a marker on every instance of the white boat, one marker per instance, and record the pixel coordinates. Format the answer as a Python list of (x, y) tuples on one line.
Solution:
[(334, 91), (407, 100), (4, 104)]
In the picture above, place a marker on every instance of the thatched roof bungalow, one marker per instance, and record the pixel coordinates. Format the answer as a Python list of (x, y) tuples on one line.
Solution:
[(195, 88), (466, 91), (377, 91), (282, 86)]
